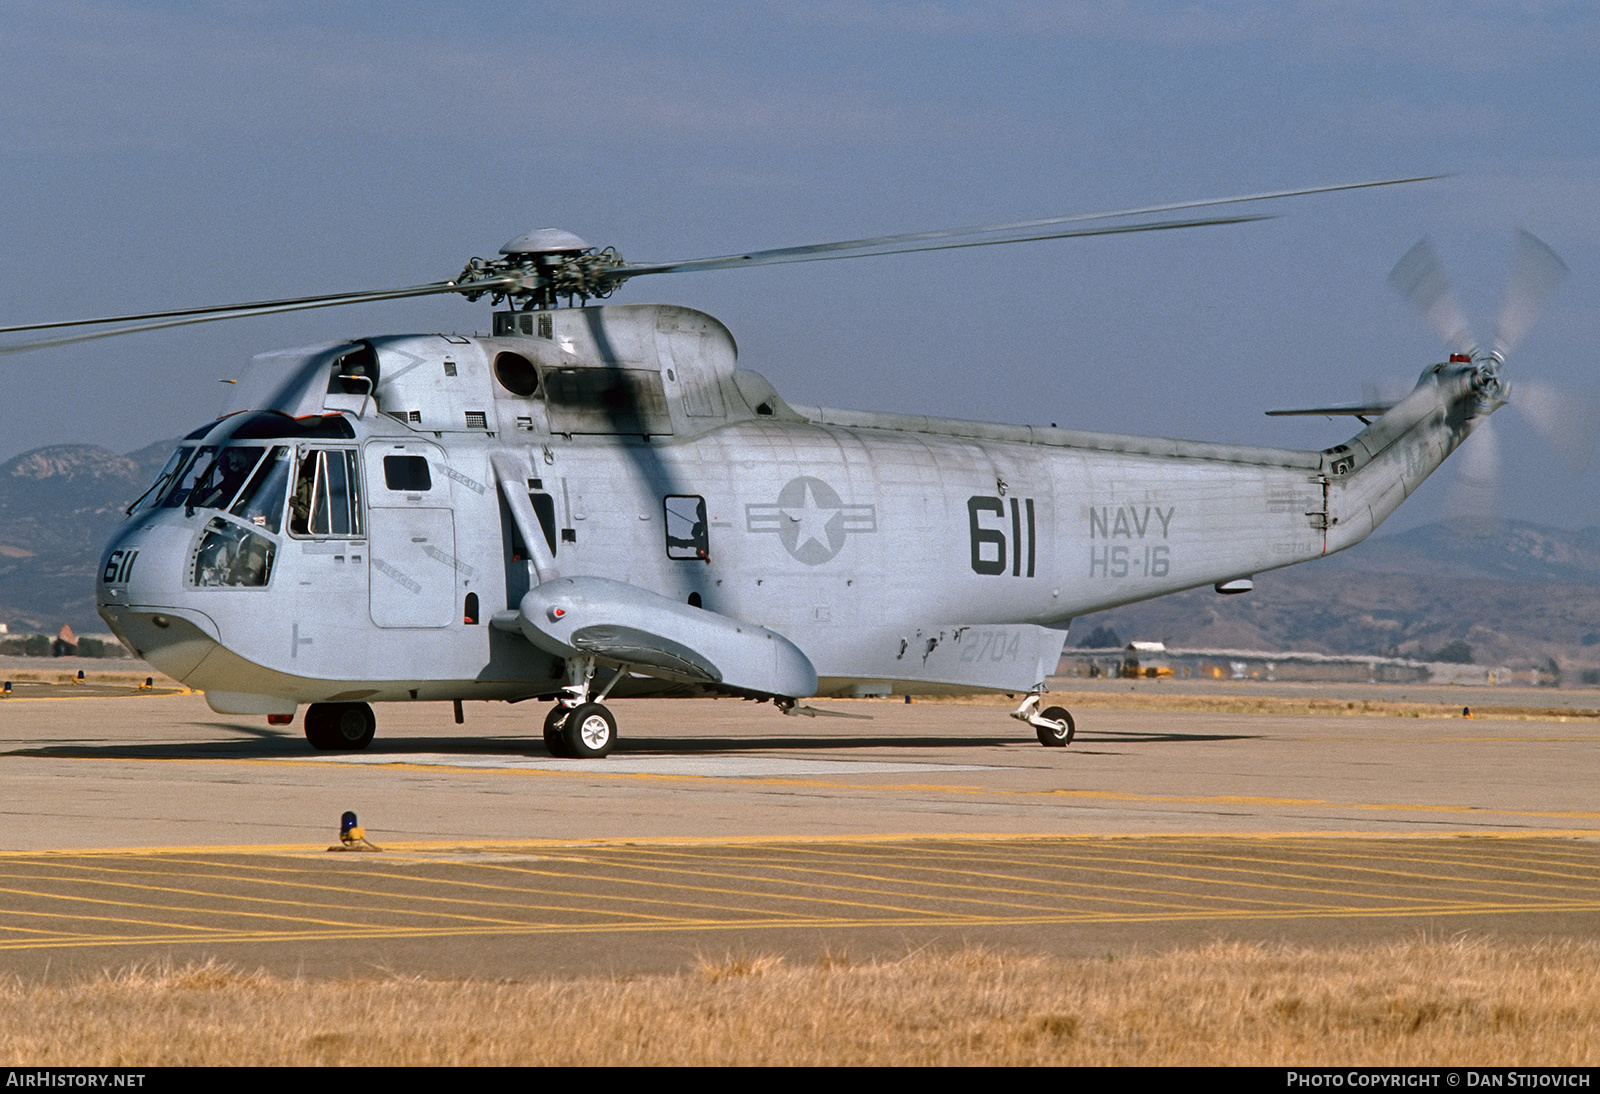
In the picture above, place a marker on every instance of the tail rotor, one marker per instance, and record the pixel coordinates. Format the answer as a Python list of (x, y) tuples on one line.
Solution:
[(1566, 421)]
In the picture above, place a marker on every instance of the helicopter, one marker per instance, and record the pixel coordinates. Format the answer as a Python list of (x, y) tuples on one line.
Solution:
[(594, 501)]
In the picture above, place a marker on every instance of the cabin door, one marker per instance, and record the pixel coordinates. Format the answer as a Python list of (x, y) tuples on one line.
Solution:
[(413, 579)]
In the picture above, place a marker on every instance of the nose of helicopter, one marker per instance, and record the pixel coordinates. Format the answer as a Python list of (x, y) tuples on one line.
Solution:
[(141, 594)]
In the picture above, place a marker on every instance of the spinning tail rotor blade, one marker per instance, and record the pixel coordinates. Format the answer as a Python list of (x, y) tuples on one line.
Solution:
[(1477, 487), (1569, 421), (1419, 277), (1566, 420), (1536, 272)]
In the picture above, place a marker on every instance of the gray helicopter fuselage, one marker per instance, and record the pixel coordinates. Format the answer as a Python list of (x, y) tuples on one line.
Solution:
[(397, 519)]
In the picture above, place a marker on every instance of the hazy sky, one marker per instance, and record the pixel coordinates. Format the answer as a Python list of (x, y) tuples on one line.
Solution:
[(164, 154)]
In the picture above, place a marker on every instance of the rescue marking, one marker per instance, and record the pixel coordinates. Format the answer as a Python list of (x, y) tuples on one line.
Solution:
[(395, 575), (451, 473)]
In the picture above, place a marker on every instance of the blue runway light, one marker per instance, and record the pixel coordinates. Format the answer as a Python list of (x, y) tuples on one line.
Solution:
[(346, 823)]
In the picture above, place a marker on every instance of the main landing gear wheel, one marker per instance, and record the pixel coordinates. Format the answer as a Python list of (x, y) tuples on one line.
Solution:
[(553, 738), (340, 727), (589, 732), (1060, 735)]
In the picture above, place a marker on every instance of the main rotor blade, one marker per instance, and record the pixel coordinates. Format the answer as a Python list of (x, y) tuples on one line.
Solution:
[(1536, 270), (895, 244), (1017, 232), (821, 252), (219, 312), (258, 307), (1419, 277)]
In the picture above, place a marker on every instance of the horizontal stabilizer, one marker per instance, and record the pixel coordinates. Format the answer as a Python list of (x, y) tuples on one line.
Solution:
[(1358, 410)]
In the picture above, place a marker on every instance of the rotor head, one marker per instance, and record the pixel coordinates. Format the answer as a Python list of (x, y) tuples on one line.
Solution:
[(540, 268), (545, 241)]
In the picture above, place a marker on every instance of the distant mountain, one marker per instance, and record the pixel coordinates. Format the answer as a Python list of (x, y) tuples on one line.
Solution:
[(1507, 550), (1517, 593), (58, 507)]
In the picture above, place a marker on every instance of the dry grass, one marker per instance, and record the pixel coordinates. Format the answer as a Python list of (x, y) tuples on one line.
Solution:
[(1414, 1003)]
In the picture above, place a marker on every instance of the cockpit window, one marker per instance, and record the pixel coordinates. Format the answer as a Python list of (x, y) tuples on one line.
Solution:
[(232, 556), (152, 496), (251, 481), (327, 494), (183, 479), (229, 470), (261, 500)]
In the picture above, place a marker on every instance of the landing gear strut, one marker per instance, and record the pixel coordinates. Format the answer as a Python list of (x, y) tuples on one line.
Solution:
[(1054, 725), (579, 727), (340, 727)]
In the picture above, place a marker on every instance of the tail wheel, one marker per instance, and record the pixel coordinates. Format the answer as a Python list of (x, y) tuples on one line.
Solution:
[(554, 739), (1061, 733), (590, 732), (340, 727)]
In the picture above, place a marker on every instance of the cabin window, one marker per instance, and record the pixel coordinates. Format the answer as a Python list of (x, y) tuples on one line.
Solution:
[(687, 535), (231, 556), (327, 494), (407, 474), (469, 613)]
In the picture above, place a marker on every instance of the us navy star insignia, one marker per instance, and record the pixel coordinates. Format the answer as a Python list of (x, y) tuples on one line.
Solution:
[(811, 520)]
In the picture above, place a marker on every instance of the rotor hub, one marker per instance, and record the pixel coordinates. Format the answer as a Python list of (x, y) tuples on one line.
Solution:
[(1487, 383), (541, 268)]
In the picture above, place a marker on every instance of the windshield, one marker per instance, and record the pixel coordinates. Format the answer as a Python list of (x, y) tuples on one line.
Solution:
[(249, 481), (152, 494), (221, 480), (197, 462)]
